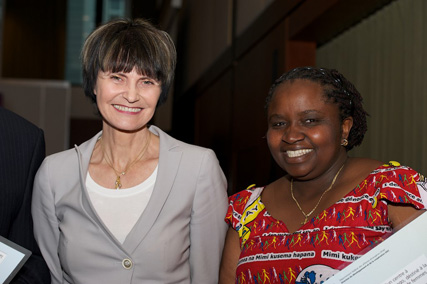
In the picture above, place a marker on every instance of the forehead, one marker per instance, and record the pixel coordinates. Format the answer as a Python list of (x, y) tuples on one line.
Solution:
[(301, 95)]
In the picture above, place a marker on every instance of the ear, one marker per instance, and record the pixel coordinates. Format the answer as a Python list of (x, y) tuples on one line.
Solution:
[(346, 126)]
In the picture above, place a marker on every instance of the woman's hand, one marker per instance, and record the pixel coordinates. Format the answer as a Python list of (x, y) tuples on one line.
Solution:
[(402, 214)]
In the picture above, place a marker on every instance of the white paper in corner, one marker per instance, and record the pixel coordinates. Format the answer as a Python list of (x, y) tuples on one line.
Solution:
[(400, 259), (12, 258)]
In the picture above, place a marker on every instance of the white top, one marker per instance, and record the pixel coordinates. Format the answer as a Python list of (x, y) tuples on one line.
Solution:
[(120, 209)]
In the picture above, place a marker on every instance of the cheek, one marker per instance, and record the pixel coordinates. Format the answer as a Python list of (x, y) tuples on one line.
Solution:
[(274, 138), (155, 96), (155, 99), (150, 96), (325, 136), (319, 137), (99, 100)]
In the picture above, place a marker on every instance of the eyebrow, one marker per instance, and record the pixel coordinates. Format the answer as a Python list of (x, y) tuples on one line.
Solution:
[(311, 111), (274, 115), (303, 112), (142, 76)]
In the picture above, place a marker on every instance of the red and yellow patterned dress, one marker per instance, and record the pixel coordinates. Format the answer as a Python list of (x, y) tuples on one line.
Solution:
[(327, 242)]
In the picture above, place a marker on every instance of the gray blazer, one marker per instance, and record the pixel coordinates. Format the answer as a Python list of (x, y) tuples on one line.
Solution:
[(178, 238)]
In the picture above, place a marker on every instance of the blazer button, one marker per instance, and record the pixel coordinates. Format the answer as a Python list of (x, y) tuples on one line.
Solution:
[(127, 263)]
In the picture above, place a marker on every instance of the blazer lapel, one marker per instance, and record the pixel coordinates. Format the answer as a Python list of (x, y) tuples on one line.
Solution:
[(84, 152), (169, 159)]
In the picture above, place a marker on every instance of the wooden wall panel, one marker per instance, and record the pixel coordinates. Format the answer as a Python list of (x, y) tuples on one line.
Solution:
[(206, 34), (213, 117), (34, 39), (300, 53), (254, 74)]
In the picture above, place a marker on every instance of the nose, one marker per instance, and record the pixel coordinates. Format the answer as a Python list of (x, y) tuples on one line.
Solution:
[(131, 94), (292, 134)]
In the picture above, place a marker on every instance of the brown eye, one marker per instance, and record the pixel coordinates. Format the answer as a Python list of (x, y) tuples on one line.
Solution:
[(278, 124)]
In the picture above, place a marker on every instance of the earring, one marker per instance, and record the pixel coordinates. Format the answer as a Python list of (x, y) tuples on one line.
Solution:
[(344, 142)]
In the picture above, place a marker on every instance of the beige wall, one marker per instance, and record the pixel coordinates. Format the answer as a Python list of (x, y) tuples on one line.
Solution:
[(385, 57), (81, 106), (45, 103)]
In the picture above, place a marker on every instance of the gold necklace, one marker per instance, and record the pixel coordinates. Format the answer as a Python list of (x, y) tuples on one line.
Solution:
[(318, 202), (118, 183)]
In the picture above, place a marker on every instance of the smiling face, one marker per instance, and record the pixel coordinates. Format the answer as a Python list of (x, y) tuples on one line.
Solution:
[(304, 129), (126, 101)]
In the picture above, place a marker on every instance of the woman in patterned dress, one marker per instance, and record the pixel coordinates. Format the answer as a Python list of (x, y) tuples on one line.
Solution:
[(329, 208)]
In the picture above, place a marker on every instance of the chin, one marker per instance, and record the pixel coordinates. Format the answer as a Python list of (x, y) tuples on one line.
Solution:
[(299, 172), (127, 128)]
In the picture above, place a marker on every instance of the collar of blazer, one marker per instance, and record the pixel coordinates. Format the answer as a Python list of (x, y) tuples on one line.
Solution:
[(169, 159)]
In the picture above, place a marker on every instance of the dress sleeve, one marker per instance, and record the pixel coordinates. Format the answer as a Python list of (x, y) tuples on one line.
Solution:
[(46, 227), (236, 206), (207, 229), (244, 207), (401, 184)]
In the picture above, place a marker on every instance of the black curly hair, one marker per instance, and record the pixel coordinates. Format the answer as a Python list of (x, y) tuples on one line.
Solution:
[(337, 88)]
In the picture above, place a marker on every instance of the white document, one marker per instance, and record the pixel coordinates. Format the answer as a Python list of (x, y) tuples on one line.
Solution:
[(12, 257), (400, 259)]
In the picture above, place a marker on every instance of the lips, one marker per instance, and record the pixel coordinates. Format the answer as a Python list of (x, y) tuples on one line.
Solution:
[(298, 153), (127, 109)]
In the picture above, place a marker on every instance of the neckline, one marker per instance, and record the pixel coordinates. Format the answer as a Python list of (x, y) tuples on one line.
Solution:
[(96, 187), (301, 228)]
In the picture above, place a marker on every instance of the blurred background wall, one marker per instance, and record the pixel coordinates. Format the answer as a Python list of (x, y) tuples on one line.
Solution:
[(229, 53)]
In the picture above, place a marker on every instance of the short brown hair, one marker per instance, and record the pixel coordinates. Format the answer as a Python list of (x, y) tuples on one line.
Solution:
[(121, 45)]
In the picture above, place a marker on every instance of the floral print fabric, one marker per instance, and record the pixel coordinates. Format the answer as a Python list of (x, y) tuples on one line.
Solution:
[(327, 242)]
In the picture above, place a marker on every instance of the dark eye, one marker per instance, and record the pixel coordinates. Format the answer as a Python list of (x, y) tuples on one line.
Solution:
[(310, 121), (115, 78), (148, 82), (278, 124)]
